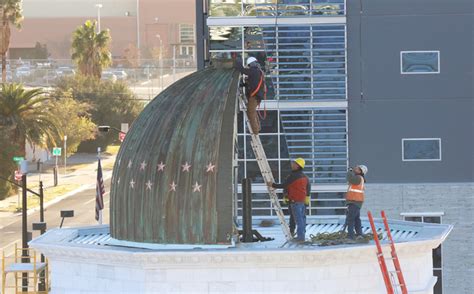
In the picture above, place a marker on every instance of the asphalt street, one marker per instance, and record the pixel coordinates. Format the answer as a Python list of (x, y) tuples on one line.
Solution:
[(83, 204)]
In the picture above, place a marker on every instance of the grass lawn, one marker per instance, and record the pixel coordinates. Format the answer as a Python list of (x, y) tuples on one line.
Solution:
[(49, 194)]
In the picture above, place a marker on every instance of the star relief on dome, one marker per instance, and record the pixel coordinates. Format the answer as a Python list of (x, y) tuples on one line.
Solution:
[(197, 187), (210, 168), (143, 165), (173, 186), (186, 167), (148, 185), (161, 166)]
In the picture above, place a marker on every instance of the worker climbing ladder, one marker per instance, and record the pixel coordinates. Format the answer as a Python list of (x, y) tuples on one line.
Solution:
[(265, 169), (388, 277)]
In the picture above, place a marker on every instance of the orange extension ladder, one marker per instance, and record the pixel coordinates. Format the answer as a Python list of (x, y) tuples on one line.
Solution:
[(389, 280)]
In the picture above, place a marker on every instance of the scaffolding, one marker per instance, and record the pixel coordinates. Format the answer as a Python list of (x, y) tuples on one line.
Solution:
[(31, 274)]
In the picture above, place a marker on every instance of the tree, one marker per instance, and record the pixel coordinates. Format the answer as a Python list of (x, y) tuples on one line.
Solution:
[(11, 13), (25, 115), (91, 50), (73, 121), (111, 104)]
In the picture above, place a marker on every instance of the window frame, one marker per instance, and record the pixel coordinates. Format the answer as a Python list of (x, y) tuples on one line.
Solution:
[(420, 51), (422, 139), (423, 215)]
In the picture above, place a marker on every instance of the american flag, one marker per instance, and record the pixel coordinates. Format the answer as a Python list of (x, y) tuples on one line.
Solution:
[(100, 191)]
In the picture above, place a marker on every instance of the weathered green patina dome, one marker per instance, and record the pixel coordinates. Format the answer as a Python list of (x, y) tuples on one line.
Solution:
[(172, 180)]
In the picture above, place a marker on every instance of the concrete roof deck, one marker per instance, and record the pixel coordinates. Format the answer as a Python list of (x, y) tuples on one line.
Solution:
[(98, 237)]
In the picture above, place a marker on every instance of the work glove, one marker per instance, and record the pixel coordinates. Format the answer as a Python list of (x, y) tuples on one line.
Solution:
[(286, 200), (307, 200)]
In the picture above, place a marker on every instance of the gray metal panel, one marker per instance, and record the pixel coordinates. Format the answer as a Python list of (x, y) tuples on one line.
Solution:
[(414, 7), (376, 129), (384, 37), (395, 106)]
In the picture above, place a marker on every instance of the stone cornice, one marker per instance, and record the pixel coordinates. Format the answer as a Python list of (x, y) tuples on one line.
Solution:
[(226, 258)]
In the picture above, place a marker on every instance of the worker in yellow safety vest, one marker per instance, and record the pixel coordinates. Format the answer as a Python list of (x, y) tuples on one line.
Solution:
[(355, 199)]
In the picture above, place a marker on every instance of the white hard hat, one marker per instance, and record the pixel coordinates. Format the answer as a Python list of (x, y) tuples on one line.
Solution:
[(251, 59), (363, 168)]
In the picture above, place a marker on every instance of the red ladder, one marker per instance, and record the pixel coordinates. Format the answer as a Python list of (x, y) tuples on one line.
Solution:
[(383, 266)]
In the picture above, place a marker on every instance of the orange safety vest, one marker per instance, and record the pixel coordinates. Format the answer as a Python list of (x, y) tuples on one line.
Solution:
[(356, 192)]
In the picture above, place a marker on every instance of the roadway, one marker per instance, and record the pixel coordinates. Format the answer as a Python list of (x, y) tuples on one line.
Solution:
[(83, 204)]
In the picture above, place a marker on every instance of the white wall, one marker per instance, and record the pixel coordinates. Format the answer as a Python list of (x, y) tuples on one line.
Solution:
[(322, 270)]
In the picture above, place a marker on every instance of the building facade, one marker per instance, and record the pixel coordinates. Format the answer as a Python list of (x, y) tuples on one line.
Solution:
[(384, 83), (150, 26)]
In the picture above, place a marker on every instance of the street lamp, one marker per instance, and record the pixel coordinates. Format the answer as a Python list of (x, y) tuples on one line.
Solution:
[(99, 6), (161, 60)]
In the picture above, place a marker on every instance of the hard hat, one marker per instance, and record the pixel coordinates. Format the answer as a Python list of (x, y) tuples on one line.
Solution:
[(363, 168), (300, 161), (251, 59)]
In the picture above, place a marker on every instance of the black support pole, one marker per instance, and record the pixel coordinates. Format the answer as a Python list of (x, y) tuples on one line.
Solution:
[(24, 232), (41, 197), (201, 35), (247, 210)]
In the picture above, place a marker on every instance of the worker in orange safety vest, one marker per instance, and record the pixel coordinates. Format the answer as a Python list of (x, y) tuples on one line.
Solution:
[(354, 199)]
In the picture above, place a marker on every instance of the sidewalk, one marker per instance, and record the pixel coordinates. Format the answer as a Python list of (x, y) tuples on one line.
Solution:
[(82, 174)]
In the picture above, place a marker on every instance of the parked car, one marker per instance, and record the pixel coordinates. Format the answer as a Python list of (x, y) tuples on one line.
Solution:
[(65, 71), (50, 76), (120, 74), (23, 71), (108, 75)]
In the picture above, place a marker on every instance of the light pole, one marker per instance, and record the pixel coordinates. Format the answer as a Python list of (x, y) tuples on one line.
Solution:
[(99, 6), (161, 61), (65, 155)]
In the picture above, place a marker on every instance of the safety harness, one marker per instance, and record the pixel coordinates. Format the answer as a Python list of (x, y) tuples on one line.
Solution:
[(255, 92)]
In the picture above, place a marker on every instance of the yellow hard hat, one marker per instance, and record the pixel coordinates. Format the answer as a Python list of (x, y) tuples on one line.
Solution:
[(300, 161)]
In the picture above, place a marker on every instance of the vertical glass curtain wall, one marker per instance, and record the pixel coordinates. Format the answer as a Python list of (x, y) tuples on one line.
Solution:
[(280, 8), (303, 63)]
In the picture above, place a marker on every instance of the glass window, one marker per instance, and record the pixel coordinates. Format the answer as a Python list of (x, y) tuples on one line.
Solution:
[(413, 218), (225, 38), (270, 123), (253, 38), (269, 143), (253, 171), (186, 33), (419, 62), (219, 8), (240, 140), (428, 149)]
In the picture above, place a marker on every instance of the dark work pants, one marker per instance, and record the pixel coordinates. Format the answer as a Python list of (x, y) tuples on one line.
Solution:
[(353, 220), (299, 212)]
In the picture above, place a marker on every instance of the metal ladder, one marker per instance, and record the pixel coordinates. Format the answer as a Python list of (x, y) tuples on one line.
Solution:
[(388, 276), (265, 169)]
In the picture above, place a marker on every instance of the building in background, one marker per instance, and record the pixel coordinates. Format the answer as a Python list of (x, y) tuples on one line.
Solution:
[(151, 26), (384, 83)]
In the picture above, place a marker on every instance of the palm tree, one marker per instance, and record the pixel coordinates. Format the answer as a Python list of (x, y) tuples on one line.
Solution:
[(11, 13), (25, 115), (90, 50)]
